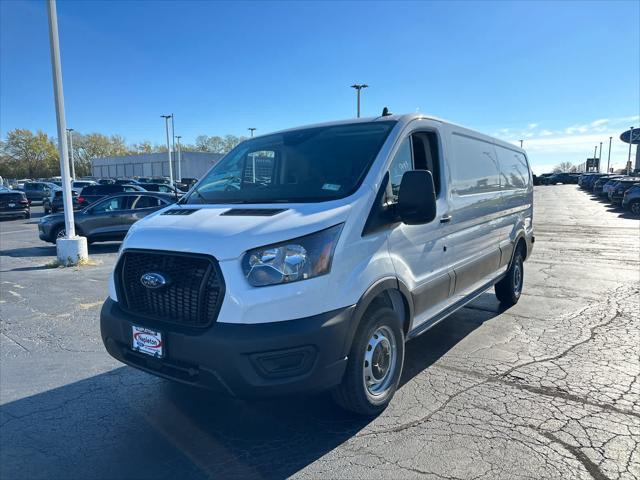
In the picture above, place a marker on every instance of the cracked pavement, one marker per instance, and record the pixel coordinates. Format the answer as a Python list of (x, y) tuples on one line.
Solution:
[(546, 389)]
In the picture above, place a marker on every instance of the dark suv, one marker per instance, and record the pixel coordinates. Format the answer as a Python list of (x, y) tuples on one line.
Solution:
[(54, 203), (14, 204), (562, 177), (93, 193), (37, 191)]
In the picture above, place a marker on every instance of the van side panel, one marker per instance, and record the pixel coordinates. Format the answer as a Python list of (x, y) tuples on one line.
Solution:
[(517, 195), (476, 210)]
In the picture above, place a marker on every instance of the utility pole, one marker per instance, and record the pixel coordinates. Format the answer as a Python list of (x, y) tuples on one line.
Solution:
[(358, 87), (73, 166), (609, 157), (70, 249), (252, 129), (166, 124), (178, 137)]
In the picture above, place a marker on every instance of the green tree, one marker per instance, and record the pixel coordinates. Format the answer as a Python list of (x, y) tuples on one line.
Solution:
[(28, 155)]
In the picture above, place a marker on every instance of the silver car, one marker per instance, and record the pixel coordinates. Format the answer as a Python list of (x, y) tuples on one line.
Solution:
[(108, 219)]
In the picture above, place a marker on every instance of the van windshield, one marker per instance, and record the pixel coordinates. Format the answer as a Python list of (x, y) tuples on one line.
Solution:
[(306, 165)]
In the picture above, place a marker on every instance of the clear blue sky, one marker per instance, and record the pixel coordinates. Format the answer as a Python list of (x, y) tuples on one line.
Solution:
[(560, 75)]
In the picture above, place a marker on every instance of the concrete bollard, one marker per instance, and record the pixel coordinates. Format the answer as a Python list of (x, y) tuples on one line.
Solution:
[(72, 251)]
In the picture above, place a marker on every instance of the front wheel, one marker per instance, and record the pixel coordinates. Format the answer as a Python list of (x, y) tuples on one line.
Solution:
[(509, 289), (374, 365), (635, 207)]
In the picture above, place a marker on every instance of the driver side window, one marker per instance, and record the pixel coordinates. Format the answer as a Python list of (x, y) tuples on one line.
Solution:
[(402, 162), (110, 205)]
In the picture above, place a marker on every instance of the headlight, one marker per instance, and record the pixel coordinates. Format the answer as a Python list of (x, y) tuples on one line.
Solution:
[(298, 259)]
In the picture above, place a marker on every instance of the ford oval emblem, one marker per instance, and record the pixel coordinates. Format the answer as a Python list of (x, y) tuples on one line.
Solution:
[(153, 280)]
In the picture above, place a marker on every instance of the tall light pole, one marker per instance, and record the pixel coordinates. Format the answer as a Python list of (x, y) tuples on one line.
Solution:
[(595, 158), (70, 249), (630, 143), (521, 141), (358, 87), (252, 129), (609, 157), (173, 138), (178, 137), (600, 154), (73, 166), (253, 157), (166, 124)]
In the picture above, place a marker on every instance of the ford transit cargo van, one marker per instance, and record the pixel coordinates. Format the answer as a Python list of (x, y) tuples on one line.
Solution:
[(304, 260)]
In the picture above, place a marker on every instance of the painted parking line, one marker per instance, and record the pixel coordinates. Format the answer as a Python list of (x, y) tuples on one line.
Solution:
[(16, 231)]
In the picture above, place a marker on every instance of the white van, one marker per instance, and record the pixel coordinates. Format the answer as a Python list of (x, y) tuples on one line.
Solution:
[(305, 259)]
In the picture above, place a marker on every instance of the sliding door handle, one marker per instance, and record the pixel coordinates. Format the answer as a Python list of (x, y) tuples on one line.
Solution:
[(445, 218)]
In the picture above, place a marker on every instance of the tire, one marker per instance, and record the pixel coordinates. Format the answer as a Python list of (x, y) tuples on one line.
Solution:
[(367, 388), (509, 289), (27, 215), (58, 232), (47, 211), (634, 208)]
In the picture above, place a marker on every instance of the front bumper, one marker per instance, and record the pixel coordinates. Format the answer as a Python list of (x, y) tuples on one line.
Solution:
[(257, 360)]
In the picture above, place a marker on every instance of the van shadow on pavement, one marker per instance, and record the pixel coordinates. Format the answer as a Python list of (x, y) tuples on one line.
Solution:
[(125, 423)]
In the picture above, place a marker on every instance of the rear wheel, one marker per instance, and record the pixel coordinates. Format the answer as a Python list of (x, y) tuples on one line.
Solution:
[(635, 207), (509, 289), (374, 365)]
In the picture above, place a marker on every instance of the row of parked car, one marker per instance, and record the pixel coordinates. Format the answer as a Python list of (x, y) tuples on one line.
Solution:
[(556, 178), (622, 190)]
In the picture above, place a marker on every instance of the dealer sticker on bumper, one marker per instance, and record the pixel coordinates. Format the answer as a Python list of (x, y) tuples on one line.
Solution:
[(147, 341)]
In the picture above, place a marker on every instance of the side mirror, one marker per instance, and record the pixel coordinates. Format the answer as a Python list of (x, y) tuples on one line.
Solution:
[(416, 198)]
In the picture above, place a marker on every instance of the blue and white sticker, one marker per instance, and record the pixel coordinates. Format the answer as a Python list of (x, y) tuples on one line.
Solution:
[(331, 186)]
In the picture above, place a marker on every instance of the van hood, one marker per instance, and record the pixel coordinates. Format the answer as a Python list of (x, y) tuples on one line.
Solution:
[(226, 232)]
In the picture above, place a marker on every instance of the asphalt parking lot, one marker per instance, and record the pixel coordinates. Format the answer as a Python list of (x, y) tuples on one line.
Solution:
[(547, 389)]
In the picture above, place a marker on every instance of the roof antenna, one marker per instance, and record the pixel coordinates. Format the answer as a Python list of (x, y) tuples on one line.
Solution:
[(386, 112)]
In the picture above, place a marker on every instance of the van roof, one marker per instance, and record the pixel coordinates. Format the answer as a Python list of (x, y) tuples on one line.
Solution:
[(403, 119)]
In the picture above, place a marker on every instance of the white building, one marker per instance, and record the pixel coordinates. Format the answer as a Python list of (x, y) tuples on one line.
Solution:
[(193, 165)]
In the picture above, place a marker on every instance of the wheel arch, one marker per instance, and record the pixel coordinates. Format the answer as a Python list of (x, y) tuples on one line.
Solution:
[(390, 292)]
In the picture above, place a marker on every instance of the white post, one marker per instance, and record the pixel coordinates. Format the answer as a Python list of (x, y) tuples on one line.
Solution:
[(166, 123), (70, 249), (630, 143), (179, 159), (73, 166)]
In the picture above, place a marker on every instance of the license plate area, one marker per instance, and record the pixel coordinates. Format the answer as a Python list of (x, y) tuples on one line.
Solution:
[(147, 341)]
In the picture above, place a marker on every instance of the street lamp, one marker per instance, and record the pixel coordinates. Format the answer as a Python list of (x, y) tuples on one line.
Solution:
[(609, 157), (521, 141), (252, 129), (595, 157), (630, 143), (166, 124), (173, 139), (358, 87), (73, 166), (179, 160)]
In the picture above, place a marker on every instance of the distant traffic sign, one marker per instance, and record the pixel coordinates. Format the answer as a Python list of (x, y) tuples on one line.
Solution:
[(636, 136)]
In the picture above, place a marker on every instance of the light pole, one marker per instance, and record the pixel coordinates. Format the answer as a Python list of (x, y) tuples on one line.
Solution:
[(630, 143), (600, 154), (358, 87), (521, 141), (173, 140), (609, 157), (253, 157), (70, 249), (73, 166), (595, 158), (166, 124), (179, 160)]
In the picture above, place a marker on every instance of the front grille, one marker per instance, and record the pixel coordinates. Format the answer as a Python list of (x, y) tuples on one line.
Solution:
[(191, 297)]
